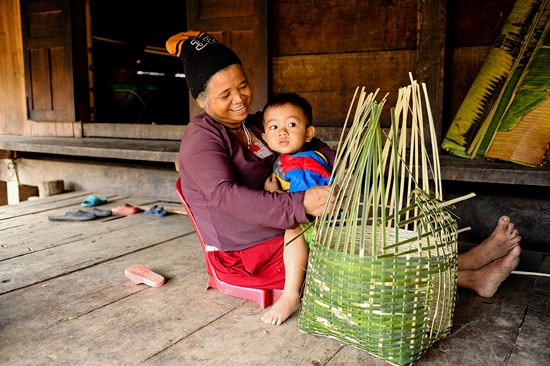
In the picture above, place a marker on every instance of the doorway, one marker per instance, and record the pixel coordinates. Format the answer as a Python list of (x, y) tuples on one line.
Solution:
[(134, 79)]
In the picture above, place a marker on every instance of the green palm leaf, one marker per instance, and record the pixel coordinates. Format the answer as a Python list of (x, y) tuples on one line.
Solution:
[(527, 83), (534, 87), (482, 100), (524, 130)]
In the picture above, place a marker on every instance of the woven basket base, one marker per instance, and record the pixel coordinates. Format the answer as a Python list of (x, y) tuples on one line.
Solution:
[(394, 308)]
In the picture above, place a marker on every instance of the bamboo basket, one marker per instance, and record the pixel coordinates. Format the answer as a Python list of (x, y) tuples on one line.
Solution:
[(383, 261)]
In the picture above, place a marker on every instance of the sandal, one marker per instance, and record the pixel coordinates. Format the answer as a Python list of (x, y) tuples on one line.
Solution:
[(157, 211), (139, 273), (101, 213), (80, 215), (125, 209), (93, 201)]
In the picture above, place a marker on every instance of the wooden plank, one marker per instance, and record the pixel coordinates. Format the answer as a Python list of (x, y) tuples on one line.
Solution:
[(531, 346), (485, 330), (332, 27), (529, 210), (37, 212), (328, 82), (430, 56), (127, 149), (118, 322), (468, 17), (134, 131), (72, 201), (155, 181), (257, 343), (13, 244), (33, 207), (27, 270), (13, 113), (483, 171)]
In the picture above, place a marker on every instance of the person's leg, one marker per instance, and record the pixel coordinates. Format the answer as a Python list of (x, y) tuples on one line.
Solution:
[(483, 268), (486, 280), (295, 259), (497, 245)]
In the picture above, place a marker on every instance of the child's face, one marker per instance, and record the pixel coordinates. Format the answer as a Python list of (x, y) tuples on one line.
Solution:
[(286, 130)]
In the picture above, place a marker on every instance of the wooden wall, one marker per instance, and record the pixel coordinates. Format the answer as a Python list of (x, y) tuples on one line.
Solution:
[(12, 93), (321, 49), (13, 110), (325, 50)]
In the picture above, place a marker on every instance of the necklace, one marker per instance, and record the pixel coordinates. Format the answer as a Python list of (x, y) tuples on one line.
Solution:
[(235, 128), (248, 137), (257, 148)]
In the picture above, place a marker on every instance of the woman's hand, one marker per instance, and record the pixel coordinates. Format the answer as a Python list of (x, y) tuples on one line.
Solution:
[(315, 199)]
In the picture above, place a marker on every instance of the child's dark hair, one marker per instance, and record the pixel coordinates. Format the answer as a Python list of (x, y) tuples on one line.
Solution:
[(293, 99)]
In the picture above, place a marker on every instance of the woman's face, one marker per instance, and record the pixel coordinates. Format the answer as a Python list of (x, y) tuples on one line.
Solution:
[(227, 96)]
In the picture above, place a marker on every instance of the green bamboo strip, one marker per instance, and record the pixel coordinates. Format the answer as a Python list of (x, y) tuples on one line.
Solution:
[(372, 281)]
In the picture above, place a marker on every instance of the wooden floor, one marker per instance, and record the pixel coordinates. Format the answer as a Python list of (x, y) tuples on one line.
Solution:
[(64, 300)]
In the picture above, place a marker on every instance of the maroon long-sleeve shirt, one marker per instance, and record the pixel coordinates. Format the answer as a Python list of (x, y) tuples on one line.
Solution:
[(223, 181)]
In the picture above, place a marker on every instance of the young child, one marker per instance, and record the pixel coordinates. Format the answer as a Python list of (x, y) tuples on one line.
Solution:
[(287, 130)]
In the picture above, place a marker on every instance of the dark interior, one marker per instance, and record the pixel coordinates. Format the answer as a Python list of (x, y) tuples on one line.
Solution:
[(135, 80)]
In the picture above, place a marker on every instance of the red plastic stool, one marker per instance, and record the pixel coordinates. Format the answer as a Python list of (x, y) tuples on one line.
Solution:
[(263, 297)]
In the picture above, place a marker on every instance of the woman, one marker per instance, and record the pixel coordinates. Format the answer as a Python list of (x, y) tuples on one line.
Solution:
[(223, 165)]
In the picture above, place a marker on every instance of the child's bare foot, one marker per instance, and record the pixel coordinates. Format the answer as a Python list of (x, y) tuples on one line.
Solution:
[(501, 241), (491, 276), (281, 310)]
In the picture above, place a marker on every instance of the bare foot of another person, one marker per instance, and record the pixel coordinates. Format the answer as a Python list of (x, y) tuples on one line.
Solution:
[(497, 245), (491, 276), (282, 310)]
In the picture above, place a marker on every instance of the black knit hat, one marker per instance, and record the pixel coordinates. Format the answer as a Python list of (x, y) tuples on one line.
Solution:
[(202, 57)]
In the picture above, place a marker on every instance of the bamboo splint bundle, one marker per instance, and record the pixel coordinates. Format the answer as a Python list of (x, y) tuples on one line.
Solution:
[(383, 262)]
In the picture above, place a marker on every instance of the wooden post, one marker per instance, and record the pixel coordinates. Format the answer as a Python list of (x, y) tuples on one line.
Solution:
[(430, 55)]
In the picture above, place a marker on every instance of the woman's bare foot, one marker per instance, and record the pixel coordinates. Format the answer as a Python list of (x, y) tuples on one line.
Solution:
[(282, 310), (501, 241), (489, 278)]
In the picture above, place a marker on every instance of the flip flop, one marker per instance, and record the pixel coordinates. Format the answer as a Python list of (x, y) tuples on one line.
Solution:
[(125, 209), (93, 201), (101, 213), (139, 273), (79, 215), (157, 211)]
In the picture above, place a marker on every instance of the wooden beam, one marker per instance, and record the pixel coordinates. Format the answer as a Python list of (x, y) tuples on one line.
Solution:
[(162, 151)]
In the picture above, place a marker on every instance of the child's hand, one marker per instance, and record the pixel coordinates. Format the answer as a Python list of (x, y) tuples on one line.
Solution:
[(272, 184)]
